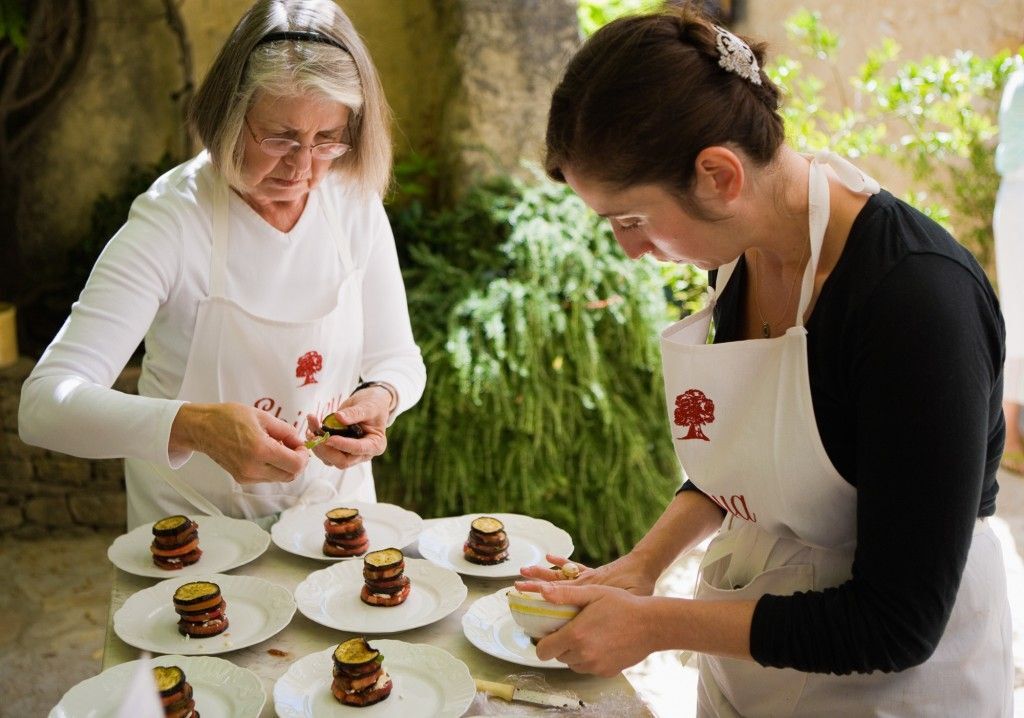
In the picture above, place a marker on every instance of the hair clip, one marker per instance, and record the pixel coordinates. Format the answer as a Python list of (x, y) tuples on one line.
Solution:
[(736, 56)]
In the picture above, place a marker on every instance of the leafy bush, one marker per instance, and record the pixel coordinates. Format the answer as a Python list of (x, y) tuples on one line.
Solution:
[(544, 394), (934, 118), (593, 14)]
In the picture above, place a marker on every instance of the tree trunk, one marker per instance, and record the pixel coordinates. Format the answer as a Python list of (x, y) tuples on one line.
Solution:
[(33, 81)]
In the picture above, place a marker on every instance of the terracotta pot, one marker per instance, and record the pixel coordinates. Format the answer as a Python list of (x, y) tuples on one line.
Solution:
[(8, 335)]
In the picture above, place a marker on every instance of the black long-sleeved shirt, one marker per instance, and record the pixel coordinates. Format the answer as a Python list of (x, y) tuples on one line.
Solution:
[(905, 349)]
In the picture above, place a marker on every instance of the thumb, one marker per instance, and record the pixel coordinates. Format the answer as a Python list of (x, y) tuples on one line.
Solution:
[(562, 593)]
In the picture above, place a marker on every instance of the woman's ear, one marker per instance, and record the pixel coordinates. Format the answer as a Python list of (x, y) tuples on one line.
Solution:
[(719, 175)]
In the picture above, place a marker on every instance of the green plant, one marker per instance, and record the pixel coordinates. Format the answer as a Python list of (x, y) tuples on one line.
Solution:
[(593, 14), (544, 395), (12, 23), (934, 118)]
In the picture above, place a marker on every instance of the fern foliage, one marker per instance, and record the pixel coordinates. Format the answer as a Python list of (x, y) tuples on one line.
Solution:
[(544, 394)]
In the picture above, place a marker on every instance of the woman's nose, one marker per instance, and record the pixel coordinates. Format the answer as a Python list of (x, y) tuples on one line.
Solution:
[(634, 244), (301, 158)]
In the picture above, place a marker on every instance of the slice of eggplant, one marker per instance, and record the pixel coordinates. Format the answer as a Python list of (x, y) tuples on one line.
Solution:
[(169, 679), (333, 426), (171, 525), (487, 525), (196, 591), (341, 515), (355, 652), (385, 558)]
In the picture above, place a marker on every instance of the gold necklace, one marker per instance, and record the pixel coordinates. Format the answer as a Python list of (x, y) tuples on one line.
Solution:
[(766, 326)]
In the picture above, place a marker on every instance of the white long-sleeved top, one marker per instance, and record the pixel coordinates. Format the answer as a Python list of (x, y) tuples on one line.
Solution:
[(1010, 150), (148, 282)]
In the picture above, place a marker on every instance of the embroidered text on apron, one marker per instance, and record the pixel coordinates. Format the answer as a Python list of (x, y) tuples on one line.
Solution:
[(289, 368), (745, 433)]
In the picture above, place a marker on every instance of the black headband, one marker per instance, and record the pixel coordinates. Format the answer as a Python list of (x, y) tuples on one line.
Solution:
[(301, 35)]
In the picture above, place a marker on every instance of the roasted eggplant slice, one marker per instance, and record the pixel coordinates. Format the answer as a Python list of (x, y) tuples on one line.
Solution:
[(195, 592), (385, 558), (172, 525), (168, 679), (333, 426), (487, 525), (355, 652), (341, 515)]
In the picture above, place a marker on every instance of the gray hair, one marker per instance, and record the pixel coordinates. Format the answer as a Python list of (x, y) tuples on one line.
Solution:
[(295, 67)]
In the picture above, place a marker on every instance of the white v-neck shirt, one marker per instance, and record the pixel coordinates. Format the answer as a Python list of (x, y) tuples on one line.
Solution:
[(147, 284)]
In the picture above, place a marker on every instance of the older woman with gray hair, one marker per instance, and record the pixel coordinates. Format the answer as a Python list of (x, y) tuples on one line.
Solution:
[(263, 279)]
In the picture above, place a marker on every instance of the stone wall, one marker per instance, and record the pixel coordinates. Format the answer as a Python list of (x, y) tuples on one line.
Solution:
[(45, 492)]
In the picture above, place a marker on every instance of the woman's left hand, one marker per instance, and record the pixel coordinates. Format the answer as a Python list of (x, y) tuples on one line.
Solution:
[(370, 409), (606, 636)]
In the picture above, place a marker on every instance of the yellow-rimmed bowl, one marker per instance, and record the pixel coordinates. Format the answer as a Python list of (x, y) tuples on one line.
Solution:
[(536, 616)]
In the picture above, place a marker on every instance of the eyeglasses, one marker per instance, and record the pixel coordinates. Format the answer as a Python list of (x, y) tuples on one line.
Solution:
[(282, 146)]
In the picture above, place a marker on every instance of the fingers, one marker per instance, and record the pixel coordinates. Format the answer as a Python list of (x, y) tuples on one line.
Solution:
[(368, 408), (282, 458), (565, 592), (312, 426), (338, 459), (565, 563), (540, 573), (562, 591), (342, 451), (281, 431)]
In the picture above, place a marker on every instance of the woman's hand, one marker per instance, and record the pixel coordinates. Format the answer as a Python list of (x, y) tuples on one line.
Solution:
[(628, 572), (607, 634), (249, 443), (370, 408)]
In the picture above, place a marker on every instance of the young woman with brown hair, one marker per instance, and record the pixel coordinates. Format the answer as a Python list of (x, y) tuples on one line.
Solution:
[(840, 436)]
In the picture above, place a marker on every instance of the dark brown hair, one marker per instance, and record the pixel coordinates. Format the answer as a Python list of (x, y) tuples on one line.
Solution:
[(644, 95)]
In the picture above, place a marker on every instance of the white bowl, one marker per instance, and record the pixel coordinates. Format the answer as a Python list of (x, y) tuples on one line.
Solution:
[(536, 616)]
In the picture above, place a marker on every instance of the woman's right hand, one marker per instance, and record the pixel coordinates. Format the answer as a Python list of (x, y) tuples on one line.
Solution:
[(628, 572), (250, 444)]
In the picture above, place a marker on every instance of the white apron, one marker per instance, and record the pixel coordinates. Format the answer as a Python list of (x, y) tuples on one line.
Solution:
[(289, 369), (745, 433)]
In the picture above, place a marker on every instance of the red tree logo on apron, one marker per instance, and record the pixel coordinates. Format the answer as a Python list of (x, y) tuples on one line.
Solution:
[(309, 364), (694, 409)]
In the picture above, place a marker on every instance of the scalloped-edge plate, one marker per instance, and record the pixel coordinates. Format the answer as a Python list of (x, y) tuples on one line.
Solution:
[(226, 543), (256, 610), (529, 540), (488, 624), (220, 688), (428, 683), (300, 529), (331, 598)]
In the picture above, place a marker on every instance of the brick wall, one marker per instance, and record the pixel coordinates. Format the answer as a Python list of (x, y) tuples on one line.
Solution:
[(45, 492)]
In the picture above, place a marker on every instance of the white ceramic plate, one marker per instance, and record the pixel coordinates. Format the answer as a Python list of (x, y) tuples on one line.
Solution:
[(428, 683), (331, 597), (529, 539), (489, 626), (226, 543), (220, 689), (300, 530), (256, 610)]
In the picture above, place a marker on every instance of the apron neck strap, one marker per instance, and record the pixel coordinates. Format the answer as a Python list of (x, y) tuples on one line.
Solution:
[(220, 239), (818, 212), (328, 202)]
